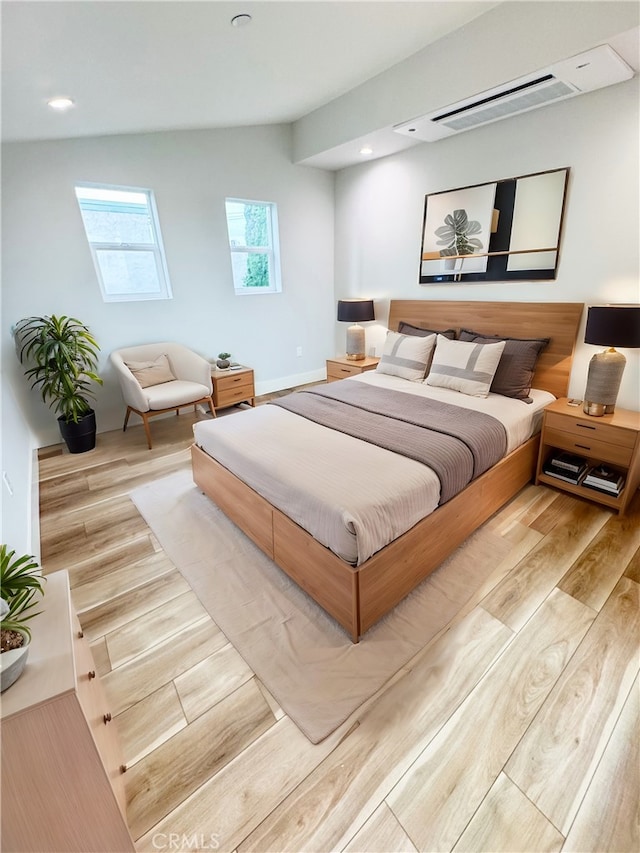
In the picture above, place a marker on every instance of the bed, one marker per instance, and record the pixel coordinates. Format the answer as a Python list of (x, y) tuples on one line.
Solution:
[(355, 524)]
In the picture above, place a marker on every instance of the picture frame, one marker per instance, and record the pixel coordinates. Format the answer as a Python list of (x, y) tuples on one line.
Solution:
[(501, 231)]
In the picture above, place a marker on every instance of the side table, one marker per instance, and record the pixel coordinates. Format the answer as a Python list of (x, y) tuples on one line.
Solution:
[(231, 387), (341, 367)]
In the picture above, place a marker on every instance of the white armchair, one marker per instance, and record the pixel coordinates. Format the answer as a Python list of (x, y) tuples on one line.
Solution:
[(159, 378)]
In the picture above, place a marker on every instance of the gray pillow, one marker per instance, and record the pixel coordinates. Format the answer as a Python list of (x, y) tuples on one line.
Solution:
[(418, 331), (517, 363)]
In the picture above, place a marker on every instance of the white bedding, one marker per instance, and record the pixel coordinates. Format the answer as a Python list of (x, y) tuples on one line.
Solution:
[(352, 496)]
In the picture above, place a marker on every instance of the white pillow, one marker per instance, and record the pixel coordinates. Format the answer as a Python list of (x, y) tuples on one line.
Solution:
[(464, 366), (407, 356)]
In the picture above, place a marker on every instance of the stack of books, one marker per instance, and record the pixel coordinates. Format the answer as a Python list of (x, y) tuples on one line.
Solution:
[(604, 479), (566, 466)]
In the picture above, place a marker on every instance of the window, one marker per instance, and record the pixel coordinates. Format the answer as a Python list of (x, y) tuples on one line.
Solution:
[(253, 239), (122, 228)]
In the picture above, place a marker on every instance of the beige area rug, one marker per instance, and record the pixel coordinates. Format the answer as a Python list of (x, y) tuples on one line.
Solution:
[(307, 662)]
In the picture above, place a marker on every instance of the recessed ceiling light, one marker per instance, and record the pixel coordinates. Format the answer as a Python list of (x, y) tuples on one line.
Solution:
[(241, 20), (366, 149), (61, 104)]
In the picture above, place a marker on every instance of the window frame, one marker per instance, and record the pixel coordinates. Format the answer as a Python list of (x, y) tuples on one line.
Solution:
[(156, 248), (272, 251)]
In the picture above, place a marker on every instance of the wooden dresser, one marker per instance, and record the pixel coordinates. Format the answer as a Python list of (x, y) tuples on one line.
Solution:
[(233, 386), (62, 785)]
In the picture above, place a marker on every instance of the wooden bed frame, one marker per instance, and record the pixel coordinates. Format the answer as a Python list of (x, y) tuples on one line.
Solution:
[(357, 597)]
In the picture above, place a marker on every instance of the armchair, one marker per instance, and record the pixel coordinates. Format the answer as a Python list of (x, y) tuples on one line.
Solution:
[(159, 378)]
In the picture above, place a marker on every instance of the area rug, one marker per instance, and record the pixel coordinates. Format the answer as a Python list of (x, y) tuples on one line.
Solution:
[(304, 658)]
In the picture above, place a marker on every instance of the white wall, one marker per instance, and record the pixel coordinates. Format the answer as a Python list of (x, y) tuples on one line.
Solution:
[(19, 528), (379, 211), (47, 267)]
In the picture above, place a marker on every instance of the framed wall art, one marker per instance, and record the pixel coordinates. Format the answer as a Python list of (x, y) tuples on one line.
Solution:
[(508, 230)]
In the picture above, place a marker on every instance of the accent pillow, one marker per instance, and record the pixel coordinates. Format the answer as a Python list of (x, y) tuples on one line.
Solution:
[(408, 329), (406, 356), (464, 366), (150, 373), (517, 364)]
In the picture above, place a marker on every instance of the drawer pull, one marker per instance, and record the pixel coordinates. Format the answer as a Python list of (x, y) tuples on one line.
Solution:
[(91, 674), (583, 447), (123, 768), (344, 370), (80, 634), (586, 426), (107, 718)]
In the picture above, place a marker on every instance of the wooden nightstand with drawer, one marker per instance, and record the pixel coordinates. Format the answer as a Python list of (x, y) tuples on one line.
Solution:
[(231, 387), (340, 367), (612, 439)]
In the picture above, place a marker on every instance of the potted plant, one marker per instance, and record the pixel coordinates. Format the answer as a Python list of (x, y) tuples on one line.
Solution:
[(21, 583), (63, 355), (223, 360)]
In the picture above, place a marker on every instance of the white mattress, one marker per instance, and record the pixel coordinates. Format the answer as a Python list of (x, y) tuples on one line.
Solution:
[(352, 496)]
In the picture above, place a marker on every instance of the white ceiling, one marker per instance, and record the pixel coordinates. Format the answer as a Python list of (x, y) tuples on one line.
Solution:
[(146, 65)]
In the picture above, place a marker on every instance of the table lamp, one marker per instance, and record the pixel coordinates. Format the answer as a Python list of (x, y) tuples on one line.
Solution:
[(355, 311), (611, 326)]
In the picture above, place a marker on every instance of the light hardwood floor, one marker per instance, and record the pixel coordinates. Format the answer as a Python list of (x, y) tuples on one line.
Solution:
[(516, 730)]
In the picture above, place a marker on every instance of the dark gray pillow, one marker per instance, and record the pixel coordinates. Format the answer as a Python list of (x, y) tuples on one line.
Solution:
[(517, 363), (408, 329)]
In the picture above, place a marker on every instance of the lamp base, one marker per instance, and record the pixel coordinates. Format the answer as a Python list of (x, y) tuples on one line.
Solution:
[(355, 343), (603, 383), (597, 410)]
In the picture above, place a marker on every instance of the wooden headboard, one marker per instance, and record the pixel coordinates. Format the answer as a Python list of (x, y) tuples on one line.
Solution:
[(558, 321)]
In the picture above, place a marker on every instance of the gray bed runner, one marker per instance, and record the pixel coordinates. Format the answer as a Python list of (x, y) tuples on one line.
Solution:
[(458, 444)]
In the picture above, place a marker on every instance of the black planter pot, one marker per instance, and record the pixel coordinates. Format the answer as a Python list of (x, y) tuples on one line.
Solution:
[(79, 437)]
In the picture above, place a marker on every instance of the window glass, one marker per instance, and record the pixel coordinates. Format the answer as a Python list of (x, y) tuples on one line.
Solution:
[(122, 228), (253, 241)]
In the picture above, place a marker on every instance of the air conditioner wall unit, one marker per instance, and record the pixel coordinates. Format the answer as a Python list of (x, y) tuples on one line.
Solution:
[(586, 72)]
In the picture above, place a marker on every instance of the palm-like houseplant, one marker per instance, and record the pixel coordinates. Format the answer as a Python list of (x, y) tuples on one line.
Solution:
[(63, 358), (21, 585)]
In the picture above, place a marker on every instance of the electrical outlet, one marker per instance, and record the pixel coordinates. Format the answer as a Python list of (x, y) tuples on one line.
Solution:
[(299, 352)]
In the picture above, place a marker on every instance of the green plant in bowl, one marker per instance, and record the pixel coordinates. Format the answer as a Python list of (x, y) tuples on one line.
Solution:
[(21, 585)]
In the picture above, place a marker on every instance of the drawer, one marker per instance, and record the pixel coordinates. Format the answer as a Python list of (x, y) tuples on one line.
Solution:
[(586, 444), (588, 431), (95, 708), (340, 371), (233, 395), (233, 380)]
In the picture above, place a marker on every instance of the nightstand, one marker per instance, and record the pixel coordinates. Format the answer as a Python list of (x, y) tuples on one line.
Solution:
[(612, 439), (341, 367), (231, 387)]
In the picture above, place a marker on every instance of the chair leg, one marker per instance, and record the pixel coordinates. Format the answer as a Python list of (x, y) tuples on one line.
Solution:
[(147, 430), (211, 407), (126, 418)]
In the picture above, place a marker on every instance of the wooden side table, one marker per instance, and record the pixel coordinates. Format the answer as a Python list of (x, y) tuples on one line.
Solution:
[(231, 387), (341, 367), (612, 439)]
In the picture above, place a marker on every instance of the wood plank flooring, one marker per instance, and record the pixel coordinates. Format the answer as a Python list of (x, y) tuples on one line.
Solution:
[(515, 730)]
